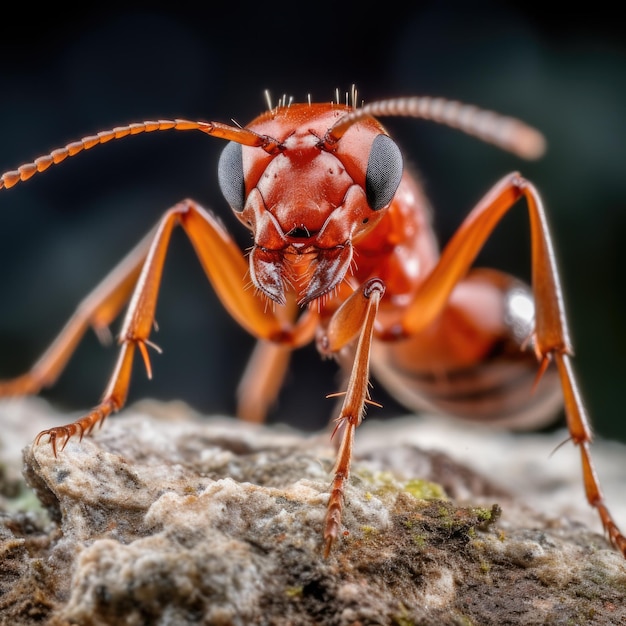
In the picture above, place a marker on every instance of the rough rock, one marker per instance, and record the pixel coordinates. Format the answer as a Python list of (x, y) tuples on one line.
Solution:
[(167, 517)]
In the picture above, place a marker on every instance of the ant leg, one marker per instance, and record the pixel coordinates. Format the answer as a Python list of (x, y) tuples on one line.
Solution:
[(226, 269), (355, 316)]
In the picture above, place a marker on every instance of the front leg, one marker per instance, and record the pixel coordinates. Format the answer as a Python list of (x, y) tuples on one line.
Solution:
[(226, 268), (354, 318), (550, 338)]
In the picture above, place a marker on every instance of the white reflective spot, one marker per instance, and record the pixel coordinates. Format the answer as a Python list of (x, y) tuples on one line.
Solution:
[(520, 313), (521, 305)]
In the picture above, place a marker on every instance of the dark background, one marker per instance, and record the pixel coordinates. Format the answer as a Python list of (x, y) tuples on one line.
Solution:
[(94, 68)]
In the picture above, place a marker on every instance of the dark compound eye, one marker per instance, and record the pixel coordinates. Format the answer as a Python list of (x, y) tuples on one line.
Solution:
[(230, 176), (384, 171)]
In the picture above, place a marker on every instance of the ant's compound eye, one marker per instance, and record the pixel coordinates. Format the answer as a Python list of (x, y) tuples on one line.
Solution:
[(384, 171), (230, 176)]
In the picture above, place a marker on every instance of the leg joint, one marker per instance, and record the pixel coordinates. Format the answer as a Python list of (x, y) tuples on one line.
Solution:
[(374, 285)]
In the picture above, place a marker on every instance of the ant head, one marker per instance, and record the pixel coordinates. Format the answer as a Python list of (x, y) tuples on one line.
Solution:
[(310, 196)]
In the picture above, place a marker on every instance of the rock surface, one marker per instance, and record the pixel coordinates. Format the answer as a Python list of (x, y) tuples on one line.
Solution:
[(165, 517)]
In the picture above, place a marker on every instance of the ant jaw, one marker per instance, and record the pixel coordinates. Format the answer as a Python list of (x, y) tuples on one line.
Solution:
[(272, 270), (266, 272), (331, 267)]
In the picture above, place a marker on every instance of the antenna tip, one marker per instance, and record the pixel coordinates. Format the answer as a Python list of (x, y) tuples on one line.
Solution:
[(529, 143)]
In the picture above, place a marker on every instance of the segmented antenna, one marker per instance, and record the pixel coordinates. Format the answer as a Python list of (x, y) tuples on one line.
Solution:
[(215, 129), (507, 133)]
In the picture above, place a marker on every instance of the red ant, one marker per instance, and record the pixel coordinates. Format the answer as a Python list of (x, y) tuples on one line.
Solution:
[(345, 254)]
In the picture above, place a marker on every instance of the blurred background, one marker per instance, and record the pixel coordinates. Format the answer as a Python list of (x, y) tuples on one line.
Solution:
[(100, 66)]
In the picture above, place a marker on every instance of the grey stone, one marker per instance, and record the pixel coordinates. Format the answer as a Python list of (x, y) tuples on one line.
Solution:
[(167, 517)]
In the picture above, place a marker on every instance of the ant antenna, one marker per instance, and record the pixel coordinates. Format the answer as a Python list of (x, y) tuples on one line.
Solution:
[(507, 133)]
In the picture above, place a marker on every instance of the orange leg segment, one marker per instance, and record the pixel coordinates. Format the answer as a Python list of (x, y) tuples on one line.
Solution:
[(551, 332), (580, 431), (551, 337), (363, 306), (262, 380), (225, 267)]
